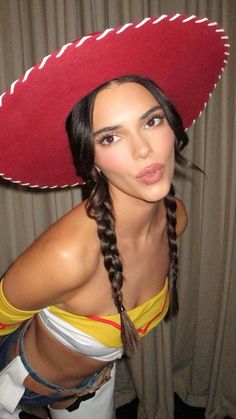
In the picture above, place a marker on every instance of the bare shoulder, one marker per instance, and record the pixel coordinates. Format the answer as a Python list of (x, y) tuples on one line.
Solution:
[(181, 217), (59, 262)]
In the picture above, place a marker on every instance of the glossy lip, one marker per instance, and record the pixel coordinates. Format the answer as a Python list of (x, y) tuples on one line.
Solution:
[(151, 174)]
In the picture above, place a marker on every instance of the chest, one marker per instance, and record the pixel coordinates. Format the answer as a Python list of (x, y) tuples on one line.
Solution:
[(145, 270), (145, 267)]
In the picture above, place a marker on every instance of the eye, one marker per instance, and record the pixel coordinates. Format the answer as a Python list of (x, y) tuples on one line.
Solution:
[(108, 139), (153, 121)]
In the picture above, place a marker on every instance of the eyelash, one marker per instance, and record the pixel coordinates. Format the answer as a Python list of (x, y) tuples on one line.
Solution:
[(159, 116), (104, 137)]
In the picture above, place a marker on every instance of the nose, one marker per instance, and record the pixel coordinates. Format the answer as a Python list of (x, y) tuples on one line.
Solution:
[(140, 146)]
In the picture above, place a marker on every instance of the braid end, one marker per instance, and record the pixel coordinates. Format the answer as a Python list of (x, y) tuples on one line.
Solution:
[(129, 336)]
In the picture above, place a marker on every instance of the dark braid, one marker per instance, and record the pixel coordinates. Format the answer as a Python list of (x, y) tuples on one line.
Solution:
[(99, 207), (99, 204), (170, 204)]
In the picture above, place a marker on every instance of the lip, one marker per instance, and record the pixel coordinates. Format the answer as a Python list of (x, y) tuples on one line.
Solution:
[(151, 174)]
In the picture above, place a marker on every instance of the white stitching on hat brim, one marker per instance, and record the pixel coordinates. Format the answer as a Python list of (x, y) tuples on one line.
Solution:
[(43, 62), (160, 18), (62, 50), (82, 40), (188, 19), (174, 17), (204, 19), (140, 24), (124, 27), (27, 73), (104, 34), (12, 88), (19, 182), (99, 38), (3, 94)]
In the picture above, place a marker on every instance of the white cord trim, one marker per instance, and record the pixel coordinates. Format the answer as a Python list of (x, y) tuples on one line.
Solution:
[(105, 33), (13, 87), (100, 37), (174, 17), (124, 27), (27, 74), (142, 22), (1, 98), (187, 19), (19, 182), (204, 19), (43, 62), (62, 50), (210, 94), (82, 40), (159, 19), (77, 183), (16, 181), (7, 178)]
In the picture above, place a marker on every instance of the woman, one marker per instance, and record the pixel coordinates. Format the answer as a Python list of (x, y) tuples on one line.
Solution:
[(125, 136)]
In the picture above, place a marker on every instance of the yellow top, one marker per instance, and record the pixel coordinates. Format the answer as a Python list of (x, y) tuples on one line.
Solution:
[(11, 317), (105, 329)]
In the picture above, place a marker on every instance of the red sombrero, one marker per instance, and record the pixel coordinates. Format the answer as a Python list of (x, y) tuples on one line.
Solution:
[(184, 56)]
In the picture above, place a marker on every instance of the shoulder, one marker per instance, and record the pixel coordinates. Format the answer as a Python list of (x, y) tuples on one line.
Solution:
[(56, 264), (181, 217), (72, 240)]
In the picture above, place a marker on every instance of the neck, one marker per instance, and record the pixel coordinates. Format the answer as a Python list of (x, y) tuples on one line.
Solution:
[(136, 219)]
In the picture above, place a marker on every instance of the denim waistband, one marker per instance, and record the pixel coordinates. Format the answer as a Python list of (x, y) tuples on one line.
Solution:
[(88, 382), (32, 397)]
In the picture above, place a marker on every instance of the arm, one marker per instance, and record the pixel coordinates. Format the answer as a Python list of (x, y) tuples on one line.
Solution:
[(47, 273), (11, 317)]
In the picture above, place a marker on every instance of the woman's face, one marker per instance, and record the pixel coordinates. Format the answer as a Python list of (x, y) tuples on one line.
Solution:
[(134, 144)]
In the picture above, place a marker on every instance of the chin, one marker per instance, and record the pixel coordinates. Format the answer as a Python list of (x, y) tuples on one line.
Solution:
[(157, 192)]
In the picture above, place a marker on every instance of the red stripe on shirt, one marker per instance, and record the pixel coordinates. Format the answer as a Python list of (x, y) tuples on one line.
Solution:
[(117, 325)]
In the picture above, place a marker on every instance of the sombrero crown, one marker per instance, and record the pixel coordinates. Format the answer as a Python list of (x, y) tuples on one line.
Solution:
[(184, 55)]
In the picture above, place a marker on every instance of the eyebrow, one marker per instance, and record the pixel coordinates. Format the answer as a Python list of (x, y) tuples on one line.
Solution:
[(115, 127), (150, 111)]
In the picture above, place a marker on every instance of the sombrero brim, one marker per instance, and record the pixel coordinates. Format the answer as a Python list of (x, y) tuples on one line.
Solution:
[(184, 56)]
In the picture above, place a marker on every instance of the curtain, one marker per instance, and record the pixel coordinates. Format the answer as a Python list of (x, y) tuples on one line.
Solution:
[(194, 354)]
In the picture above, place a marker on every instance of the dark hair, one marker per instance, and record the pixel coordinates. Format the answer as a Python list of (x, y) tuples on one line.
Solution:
[(99, 204)]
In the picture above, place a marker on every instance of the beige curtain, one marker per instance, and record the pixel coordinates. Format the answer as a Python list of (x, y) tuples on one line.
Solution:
[(193, 355)]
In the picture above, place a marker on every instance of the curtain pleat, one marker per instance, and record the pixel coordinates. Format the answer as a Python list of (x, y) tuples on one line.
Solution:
[(194, 354)]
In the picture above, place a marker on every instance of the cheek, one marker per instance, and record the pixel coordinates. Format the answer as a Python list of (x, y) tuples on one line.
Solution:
[(111, 162), (166, 148)]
